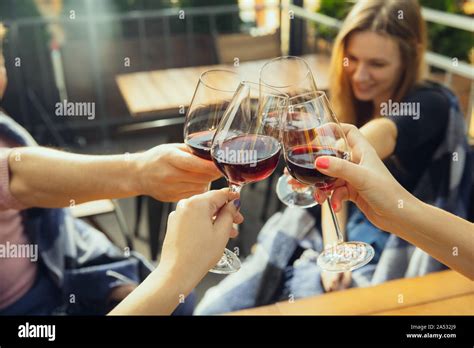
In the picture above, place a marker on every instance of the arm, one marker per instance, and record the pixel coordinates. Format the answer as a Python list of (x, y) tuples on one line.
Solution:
[(159, 294), (382, 134), (196, 236), (49, 178), (369, 184), (444, 236)]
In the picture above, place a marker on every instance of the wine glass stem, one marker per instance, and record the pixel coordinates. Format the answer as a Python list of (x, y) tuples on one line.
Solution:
[(235, 188), (340, 237)]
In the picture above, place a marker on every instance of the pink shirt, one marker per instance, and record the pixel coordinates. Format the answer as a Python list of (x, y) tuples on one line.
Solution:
[(17, 274)]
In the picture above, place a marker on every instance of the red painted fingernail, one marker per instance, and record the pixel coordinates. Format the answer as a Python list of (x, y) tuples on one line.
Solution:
[(322, 163), (334, 205)]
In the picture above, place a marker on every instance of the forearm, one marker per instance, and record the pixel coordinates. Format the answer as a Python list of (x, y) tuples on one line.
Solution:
[(48, 178), (444, 236), (381, 133), (159, 294)]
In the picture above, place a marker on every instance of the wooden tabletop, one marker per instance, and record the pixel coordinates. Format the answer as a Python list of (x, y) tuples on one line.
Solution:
[(441, 293), (166, 91)]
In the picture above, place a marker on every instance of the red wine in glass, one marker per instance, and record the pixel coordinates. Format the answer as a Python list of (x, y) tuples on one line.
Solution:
[(247, 158), (200, 143), (301, 164)]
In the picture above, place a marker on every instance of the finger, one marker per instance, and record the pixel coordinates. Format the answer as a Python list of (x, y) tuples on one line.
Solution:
[(171, 217), (238, 218), (339, 168), (186, 177), (339, 280), (355, 138), (346, 280), (187, 161), (340, 195), (320, 196), (234, 233), (295, 184), (338, 183), (179, 176), (224, 219), (330, 280), (216, 199)]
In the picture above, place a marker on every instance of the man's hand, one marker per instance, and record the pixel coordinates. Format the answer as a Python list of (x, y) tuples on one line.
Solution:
[(171, 172)]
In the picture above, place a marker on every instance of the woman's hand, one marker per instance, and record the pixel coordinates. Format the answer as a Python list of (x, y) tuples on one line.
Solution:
[(198, 232), (171, 172), (367, 182), (195, 239)]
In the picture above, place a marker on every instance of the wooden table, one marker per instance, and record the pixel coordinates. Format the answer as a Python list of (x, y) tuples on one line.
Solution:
[(165, 91), (441, 293)]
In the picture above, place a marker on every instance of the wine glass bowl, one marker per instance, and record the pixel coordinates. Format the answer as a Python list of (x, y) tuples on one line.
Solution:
[(244, 148), (213, 94)]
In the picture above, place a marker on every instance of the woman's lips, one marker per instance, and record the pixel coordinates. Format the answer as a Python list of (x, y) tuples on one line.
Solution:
[(363, 89)]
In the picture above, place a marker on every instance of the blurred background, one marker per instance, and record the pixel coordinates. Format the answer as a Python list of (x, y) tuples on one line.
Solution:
[(137, 62)]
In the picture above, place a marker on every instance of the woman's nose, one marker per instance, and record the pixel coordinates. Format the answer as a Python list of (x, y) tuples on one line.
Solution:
[(361, 73)]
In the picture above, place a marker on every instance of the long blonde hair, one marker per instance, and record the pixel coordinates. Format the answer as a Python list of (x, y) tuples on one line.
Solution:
[(397, 19), (3, 32)]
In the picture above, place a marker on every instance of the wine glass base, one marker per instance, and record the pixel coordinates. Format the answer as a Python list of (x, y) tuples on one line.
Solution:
[(346, 256), (302, 198), (229, 263)]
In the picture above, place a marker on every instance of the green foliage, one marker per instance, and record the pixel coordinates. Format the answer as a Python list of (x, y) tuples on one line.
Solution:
[(444, 40), (332, 8)]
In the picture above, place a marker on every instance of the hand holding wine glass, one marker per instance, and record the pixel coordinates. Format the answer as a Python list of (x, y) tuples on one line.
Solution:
[(321, 136), (170, 172), (362, 182)]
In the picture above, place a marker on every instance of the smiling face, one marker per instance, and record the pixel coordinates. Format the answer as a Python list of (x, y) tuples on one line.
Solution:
[(374, 65)]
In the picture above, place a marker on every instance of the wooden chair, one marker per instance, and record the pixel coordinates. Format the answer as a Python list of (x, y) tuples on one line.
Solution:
[(246, 47)]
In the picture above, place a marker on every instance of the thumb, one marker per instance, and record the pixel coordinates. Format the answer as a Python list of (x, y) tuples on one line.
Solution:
[(225, 218), (339, 168)]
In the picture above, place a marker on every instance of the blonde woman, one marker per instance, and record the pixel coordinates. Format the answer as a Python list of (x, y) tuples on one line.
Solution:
[(377, 84)]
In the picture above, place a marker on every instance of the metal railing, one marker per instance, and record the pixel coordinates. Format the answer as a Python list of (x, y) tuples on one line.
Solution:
[(211, 12)]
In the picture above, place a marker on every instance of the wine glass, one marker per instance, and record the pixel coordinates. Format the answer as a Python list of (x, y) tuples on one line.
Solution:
[(212, 96), (243, 148), (321, 135), (291, 75)]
